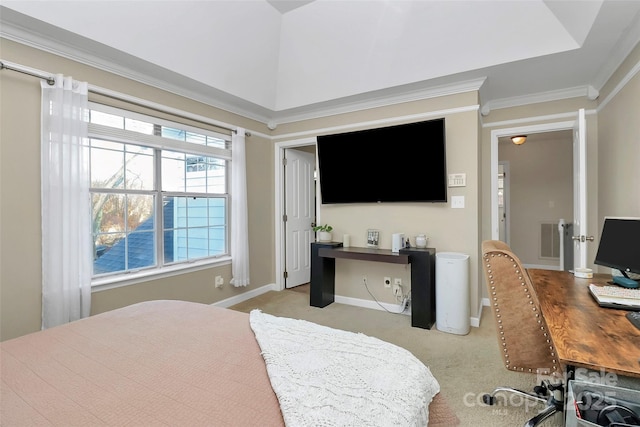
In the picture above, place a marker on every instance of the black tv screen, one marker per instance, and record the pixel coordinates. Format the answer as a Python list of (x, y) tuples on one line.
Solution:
[(618, 247), (403, 163)]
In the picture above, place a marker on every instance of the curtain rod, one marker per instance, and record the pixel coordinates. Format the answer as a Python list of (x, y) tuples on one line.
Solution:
[(160, 108), (30, 72), (115, 95)]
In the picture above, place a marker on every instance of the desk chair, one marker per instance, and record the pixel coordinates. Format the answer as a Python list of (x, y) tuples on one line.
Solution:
[(524, 341)]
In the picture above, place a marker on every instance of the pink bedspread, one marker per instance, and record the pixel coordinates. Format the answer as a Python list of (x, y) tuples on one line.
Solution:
[(154, 363)]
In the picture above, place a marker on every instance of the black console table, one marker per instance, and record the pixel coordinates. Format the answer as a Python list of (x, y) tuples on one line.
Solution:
[(423, 270)]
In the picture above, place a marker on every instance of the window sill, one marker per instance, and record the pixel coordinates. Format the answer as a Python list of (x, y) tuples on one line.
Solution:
[(113, 282)]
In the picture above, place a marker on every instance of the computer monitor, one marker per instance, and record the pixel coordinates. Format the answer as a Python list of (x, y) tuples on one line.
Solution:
[(619, 247)]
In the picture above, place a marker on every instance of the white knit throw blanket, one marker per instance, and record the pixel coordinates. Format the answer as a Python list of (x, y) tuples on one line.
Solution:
[(329, 377)]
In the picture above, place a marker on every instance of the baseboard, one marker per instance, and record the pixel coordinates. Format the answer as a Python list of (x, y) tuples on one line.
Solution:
[(365, 303), (356, 302), (475, 320), (543, 266), (237, 299)]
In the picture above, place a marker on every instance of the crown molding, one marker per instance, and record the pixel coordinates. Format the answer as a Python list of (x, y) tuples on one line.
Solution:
[(312, 133), (386, 97), (111, 60), (51, 39), (626, 79), (48, 38), (620, 52)]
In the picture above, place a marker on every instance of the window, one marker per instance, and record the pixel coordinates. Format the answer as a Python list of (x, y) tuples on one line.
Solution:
[(159, 190)]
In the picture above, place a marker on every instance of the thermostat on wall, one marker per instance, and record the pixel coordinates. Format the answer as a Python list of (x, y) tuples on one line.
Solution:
[(457, 180)]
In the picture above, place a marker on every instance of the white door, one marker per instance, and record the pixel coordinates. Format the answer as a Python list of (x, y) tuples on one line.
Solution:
[(299, 212), (580, 236)]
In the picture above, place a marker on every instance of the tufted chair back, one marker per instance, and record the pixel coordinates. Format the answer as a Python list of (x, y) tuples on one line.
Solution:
[(523, 336)]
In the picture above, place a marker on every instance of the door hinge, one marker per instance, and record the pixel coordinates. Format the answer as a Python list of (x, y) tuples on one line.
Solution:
[(284, 161), (284, 218), (285, 274)]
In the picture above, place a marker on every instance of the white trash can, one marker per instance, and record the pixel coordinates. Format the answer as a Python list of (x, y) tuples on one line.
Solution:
[(452, 292)]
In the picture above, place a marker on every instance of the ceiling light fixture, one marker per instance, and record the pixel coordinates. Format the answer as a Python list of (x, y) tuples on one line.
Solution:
[(519, 139)]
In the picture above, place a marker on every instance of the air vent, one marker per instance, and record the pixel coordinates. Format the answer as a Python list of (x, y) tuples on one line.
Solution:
[(549, 240)]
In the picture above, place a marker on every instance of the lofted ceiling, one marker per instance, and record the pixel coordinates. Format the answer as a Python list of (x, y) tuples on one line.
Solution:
[(283, 60)]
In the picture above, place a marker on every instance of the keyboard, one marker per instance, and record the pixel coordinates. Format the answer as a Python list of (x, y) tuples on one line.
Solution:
[(608, 296)]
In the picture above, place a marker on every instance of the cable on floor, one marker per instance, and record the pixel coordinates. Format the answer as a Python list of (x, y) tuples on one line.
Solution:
[(403, 306)]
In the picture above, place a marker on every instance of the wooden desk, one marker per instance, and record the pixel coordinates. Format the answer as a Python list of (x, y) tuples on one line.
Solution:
[(585, 334)]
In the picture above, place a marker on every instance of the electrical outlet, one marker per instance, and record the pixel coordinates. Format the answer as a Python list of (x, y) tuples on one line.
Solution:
[(387, 282), (219, 281), (397, 290), (397, 281)]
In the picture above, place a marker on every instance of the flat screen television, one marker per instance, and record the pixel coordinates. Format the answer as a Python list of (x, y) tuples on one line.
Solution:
[(402, 163), (618, 247)]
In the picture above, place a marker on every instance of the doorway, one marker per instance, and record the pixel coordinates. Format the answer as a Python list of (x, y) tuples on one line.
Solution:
[(299, 213), (293, 240), (535, 194)]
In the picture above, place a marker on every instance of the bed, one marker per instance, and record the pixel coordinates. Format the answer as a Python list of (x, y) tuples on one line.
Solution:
[(152, 363)]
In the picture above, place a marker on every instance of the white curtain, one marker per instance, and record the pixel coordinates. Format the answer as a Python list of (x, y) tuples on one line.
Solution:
[(66, 206), (239, 220)]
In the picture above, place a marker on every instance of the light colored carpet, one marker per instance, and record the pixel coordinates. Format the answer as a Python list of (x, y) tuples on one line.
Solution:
[(465, 366)]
